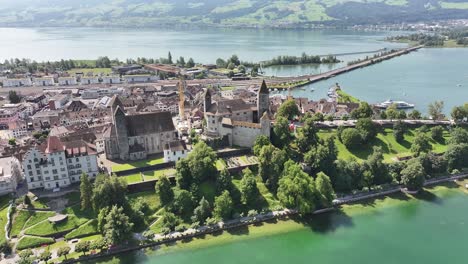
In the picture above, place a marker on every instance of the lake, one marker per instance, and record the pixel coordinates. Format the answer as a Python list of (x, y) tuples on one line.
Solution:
[(431, 229)]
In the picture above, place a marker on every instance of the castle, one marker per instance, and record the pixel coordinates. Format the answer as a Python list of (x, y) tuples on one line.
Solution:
[(236, 120)]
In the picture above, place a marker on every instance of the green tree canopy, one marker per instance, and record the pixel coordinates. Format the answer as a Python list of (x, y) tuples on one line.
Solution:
[(367, 128), (325, 189), (183, 204), (458, 135), (436, 110), (322, 157), (282, 136), (86, 192), (288, 110), (202, 211), (297, 189), (259, 143), (109, 191), (363, 111), (270, 165), (377, 167), (351, 138), (13, 97), (164, 190), (248, 187), (223, 206), (421, 144), (413, 175), (118, 227), (307, 136)]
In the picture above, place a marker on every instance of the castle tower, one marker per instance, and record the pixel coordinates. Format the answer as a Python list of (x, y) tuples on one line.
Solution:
[(207, 100), (265, 124), (120, 124), (263, 100)]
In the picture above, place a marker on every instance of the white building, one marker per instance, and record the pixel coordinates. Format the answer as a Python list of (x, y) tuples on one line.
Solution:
[(174, 151), (17, 82), (89, 80), (44, 81), (57, 164), (10, 174), (111, 79), (140, 78), (59, 101), (67, 81)]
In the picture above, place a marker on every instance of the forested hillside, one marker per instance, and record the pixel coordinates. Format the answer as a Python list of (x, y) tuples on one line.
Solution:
[(224, 12)]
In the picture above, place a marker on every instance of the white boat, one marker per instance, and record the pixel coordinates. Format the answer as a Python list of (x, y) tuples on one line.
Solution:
[(399, 104)]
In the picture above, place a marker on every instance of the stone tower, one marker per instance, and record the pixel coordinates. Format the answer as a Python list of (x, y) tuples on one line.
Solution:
[(207, 100), (263, 100), (120, 125), (265, 124)]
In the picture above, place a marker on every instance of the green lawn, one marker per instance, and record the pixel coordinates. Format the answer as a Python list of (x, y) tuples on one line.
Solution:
[(87, 229), (46, 228), (33, 241), (40, 203), (346, 98), (96, 71), (37, 217), (137, 164), (391, 149), (19, 221), (4, 202), (153, 175), (150, 197), (134, 178)]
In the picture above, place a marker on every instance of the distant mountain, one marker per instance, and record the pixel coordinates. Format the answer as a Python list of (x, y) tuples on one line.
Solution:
[(276, 13)]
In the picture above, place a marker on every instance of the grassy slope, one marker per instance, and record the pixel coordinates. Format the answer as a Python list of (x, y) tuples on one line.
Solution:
[(33, 241), (4, 202), (136, 164), (386, 140)]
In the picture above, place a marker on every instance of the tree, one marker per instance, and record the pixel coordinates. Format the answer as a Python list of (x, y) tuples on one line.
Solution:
[(235, 60), (399, 130), (202, 161), (169, 58), (402, 115), (27, 200), (367, 129), (223, 181), (351, 138), (86, 192), (460, 113), (25, 256), (307, 136), (231, 66), (170, 220), (45, 256), (368, 178), (395, 169), (457, 157), (435, 110), (13, 97), (12, 142), (241, 69), (118, 227), (282, 136), (82, 246), (248, 187), (109, 191), (288, 110), (297, 189), (98, 244), (270, 166), (458, 136), (322, 157), (259, 143), (392, 112), (377, 167), (363, 111), (190, 63), (413, 175), (220, 63), (223, 206), (183, 204), (164, 190), (183, 174), (181, 61), (421, 144), (415, 115), (201, 212), (63, 251), (437, 133), (324, 189)]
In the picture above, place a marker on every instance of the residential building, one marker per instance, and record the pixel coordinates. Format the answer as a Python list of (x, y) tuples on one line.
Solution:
[(174, 151), (65, 81), (10, 173), (113, 79), (57, 164), (17, 82), (140, 78), (44, 81)]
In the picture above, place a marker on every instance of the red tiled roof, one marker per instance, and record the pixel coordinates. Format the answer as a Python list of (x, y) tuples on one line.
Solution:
[(54, 145)]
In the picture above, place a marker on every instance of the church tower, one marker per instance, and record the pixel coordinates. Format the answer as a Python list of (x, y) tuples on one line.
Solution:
[(207, 100), (263, 100), (120, 124)]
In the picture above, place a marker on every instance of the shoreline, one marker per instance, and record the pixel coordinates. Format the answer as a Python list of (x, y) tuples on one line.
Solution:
[(286, 215)]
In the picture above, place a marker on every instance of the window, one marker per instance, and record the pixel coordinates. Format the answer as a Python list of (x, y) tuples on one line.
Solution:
[(46, 172), (77, 159), (29, 167), (54, 171), (70, 160), (37, 166), (47, 178), (38, 172)]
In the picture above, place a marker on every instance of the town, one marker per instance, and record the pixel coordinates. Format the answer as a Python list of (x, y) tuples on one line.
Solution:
[(177, 152)]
